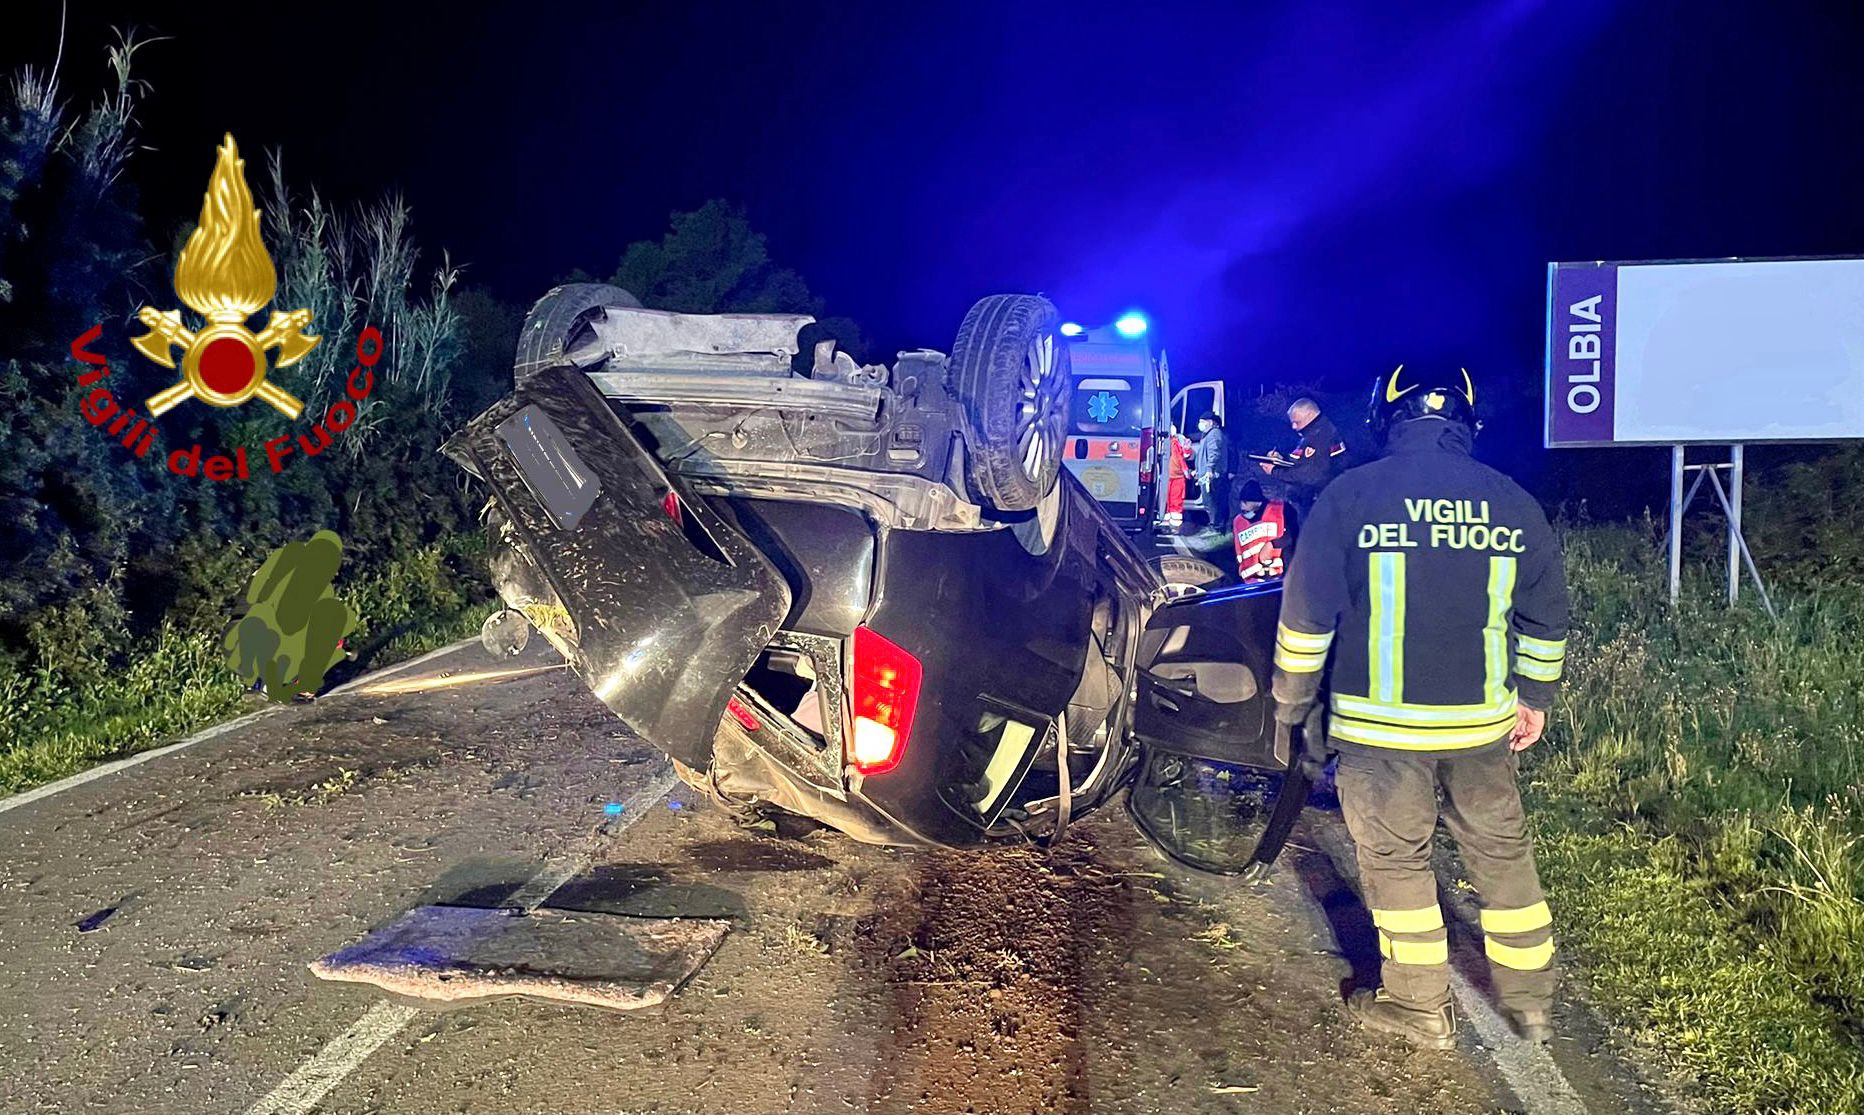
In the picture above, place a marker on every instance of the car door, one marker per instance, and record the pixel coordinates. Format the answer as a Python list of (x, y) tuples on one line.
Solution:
[(668, 605), (1215, 785), (1194, 400)]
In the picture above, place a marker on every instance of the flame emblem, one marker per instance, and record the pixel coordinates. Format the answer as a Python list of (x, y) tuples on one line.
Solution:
[(225, 275)]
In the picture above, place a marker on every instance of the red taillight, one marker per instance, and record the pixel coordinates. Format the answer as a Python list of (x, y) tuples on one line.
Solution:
[(744, 715), (671, 505), (885, 691)]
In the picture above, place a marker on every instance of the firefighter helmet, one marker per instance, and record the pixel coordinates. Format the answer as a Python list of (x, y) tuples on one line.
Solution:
[(1423, 392)]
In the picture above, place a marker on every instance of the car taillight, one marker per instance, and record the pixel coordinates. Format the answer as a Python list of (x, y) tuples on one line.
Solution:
[(885, 691), (743, 715), (671, 505)]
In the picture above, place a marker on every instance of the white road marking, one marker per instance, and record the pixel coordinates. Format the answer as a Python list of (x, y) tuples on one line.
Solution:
[(399, 667), (1529, 1070), (29, 796), (310, 1082), (315, 1077), (553, 875)]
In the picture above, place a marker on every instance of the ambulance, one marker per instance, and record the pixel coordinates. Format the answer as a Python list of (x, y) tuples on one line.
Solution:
[(1118, 417)]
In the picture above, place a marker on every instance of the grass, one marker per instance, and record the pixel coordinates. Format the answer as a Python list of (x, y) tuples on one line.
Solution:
[(51, 727), (1698, 808)]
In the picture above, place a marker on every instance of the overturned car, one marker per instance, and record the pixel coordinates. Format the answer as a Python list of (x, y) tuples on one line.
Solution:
[(868, 594)]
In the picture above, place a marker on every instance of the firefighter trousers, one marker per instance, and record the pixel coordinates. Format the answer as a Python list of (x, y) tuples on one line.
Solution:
[(1390, 802)]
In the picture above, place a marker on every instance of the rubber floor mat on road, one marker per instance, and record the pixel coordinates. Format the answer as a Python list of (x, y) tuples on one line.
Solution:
[(442, 956)]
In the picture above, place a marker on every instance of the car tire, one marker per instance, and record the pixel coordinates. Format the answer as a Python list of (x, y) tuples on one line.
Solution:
[(1009, 370), (1036, 530), (1190, 573), (558, 321)]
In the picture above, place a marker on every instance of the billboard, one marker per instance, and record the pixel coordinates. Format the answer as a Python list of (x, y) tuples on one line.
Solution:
[(1705, 351)]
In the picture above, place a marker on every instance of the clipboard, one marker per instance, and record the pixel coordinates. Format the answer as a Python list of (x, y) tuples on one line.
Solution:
[(1268, 460)]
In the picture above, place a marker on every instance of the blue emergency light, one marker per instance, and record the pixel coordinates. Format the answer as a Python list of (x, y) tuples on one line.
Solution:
[(1130, 325), (1071, 329)]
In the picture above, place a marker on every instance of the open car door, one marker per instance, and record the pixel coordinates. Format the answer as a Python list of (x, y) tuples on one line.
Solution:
[(667, 604), (1216, 786)]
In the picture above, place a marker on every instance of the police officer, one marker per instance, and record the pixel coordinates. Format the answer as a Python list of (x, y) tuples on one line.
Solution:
[(1436, 585), (1317, 458)]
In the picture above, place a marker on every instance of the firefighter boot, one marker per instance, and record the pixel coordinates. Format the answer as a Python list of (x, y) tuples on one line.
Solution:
[(1532, 1026), (1429, 1029)]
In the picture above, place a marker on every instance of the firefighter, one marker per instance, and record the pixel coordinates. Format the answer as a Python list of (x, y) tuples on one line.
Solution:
[(1318, 457), (1261, 528), (1436, 585)]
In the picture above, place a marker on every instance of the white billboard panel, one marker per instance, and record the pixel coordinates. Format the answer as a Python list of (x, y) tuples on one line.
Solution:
[(1713, 351)]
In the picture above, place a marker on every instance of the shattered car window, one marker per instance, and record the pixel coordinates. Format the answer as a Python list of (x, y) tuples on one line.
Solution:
[(1211, 815)]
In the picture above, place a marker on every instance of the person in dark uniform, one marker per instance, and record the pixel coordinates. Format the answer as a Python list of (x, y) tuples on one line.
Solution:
[(1435, 584), (1317, 458)]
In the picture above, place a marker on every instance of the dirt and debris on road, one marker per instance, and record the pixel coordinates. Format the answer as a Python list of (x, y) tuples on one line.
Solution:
[(1095, 976)]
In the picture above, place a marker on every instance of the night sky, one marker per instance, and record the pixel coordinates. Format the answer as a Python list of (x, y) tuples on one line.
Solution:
[(1289, 190)]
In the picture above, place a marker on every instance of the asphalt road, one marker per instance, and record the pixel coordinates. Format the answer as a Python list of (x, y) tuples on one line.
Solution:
[(1094, 977)]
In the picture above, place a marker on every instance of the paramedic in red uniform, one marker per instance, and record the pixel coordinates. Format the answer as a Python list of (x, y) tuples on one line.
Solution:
[(1261, 529), (1177, 456)]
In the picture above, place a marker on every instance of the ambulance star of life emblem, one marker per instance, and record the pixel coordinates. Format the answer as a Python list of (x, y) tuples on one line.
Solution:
[(225, 275)]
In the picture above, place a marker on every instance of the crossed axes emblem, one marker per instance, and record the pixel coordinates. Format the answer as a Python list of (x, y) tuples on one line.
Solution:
[(225, 275), (225, 363)]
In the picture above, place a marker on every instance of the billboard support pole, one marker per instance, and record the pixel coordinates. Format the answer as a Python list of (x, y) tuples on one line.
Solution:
[(1676, 522), (1736, 540), (1729, 496), (1735, 461)]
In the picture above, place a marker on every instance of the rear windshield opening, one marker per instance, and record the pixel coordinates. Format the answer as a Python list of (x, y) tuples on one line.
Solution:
[(786, 681)]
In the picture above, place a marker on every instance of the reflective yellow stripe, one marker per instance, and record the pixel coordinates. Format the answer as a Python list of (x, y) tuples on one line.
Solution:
[(1293, 662), (1541, 648), (1537, 670), (1526, 919), (1446, 716), (1414, 952), (1495, 633), (1418, 739), (1539, 659), (1530, 959), (1385, 631), (1301, 652), (1303, 641), (1421, 920)]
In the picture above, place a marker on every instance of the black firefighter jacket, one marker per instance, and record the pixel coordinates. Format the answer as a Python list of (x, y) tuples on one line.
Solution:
[(1436, 584)]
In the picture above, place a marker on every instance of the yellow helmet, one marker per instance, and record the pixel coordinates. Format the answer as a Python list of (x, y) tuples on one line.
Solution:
[(1421, 391)]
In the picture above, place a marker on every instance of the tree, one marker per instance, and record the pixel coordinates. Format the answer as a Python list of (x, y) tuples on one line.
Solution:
[(712, 261)]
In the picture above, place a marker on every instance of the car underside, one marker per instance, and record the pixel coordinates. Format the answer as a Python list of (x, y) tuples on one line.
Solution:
[(860, 593)]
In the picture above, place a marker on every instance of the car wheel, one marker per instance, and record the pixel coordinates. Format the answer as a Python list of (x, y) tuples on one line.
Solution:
[(1036, 530), (1186, 576), (1009, 369), (559, 321)]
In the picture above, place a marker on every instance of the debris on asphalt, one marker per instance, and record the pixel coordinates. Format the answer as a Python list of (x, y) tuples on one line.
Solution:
[(460, 954), (95, 921)]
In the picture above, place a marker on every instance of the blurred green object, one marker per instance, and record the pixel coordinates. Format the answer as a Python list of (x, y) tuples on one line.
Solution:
[(290, 632)]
